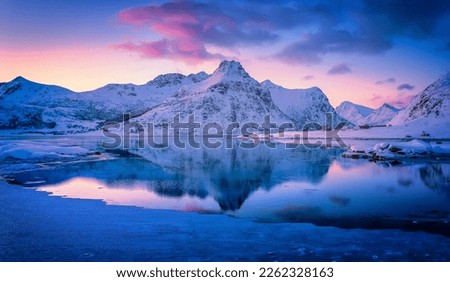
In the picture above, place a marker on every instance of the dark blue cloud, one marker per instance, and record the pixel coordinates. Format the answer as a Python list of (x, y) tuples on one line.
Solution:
[(416, 18), (339, 69), (386, 81), (310, 49), (405, 86), (368, 28), (307, 30)]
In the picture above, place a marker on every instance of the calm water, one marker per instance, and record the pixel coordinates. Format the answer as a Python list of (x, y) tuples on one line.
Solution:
[(264, 185)]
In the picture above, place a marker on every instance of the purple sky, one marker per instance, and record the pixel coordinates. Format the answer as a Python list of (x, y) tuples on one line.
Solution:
[(369, 52)]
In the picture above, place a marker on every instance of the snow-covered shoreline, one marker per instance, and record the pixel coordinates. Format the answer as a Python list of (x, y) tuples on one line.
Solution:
[(414, 149), (435, 130)]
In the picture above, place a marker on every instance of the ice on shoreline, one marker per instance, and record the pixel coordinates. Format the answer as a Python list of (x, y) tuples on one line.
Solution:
[(19, 155), (32, 150), (400, 150)]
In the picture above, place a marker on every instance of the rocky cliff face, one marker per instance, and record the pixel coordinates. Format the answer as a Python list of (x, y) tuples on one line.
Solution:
[(433, 103)]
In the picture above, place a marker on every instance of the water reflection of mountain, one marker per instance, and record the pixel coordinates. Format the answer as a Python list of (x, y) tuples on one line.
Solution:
[(308, 186), (436, 177), (228, 175), (231, 175)]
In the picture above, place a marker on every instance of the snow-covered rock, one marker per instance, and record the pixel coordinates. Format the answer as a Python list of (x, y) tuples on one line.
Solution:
[(400, 150), (303, 106)]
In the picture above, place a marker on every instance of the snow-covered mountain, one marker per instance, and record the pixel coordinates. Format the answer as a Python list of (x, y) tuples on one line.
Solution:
[(381, 116), (30, 105), (113, 100), (362, 115), (432, 105), (353, 112), (25, 104), (303, 106), (228, 95)]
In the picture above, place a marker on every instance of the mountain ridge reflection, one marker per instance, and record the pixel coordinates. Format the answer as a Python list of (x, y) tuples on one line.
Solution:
[(267, 185), (230, 176)]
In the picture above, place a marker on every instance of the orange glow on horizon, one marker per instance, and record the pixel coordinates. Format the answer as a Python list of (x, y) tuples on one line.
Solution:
[(83, 68)]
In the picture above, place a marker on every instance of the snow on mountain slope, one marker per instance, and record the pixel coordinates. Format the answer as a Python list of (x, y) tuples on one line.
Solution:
[(303, 106), (113, 100), (26, 90), (26, 104), (23, 103), (432, 105), (381, 116), (228, 95), (353, 112)]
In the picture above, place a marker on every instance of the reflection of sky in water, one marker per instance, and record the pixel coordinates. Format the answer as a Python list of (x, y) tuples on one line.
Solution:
[(314, 186), (128, 195)]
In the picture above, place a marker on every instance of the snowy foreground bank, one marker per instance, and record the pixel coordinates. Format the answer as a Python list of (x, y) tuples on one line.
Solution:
[(36, 227)]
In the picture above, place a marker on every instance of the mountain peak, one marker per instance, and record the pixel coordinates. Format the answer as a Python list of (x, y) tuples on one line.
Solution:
[(315, 88), (267, 83), (354, 113), (197, 77), (386, 105), (167, 79), (346, 103), (20, 79), (231, 69)]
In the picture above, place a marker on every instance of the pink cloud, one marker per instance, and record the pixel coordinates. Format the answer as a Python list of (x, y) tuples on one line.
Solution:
[(180, 25), (375, 97), (175, 30), (186, 27), (189, 52), (150, 49), (400, 101), (170, 12)]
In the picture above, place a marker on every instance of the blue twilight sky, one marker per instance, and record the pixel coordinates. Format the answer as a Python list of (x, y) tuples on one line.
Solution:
[(369, 52)]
